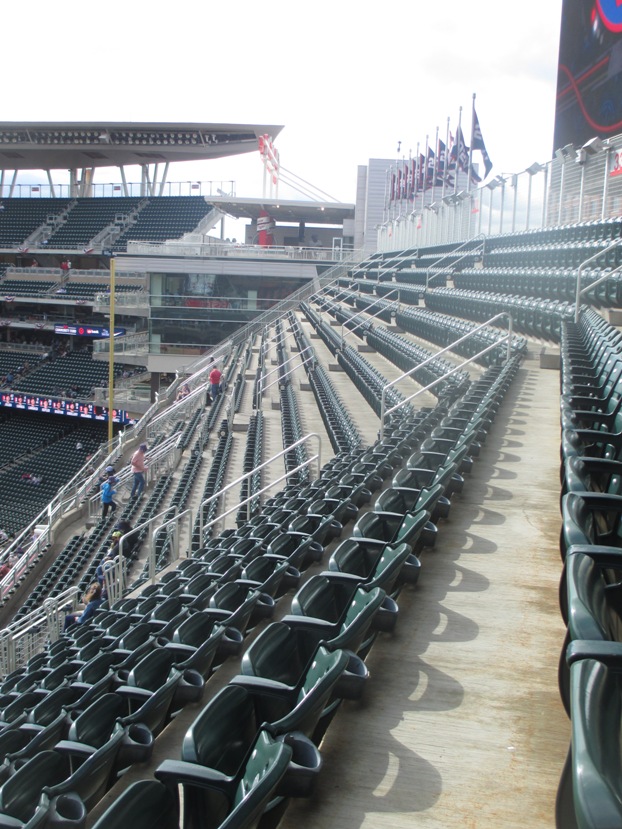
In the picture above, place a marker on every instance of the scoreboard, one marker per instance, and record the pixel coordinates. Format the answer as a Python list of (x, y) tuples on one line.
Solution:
[(69, 408)]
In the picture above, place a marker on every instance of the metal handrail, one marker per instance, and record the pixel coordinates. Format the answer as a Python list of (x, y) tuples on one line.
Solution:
[(428, 279), (409, 253), (255, 495), (385, 412), (365, 312), (254, 472), (152, 541), (263, 388), (589, 287)]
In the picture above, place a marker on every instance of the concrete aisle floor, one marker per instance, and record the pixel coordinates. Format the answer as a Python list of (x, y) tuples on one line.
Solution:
[(462, 725)]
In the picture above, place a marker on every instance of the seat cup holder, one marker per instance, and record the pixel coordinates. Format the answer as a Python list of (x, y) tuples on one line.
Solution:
[(428, 535), (292, 577), (335, 528), (231, 642), (190, 687), (136, 746), (352, 681), (442, 507), (386, 616), (409, 574), (303, 769), (66, 810), (264, 609)]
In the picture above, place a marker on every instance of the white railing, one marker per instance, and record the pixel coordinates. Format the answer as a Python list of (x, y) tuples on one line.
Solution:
[(384, 412), (161, 460), (317, 457), (213, 248), (136, 188), (28, 636)]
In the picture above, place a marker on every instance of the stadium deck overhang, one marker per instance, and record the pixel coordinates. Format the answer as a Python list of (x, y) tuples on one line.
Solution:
[(64, 145), (285, 211)]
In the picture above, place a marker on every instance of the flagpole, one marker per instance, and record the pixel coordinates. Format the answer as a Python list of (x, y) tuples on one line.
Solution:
[(434, 168), (446, 160), (471, 144), (425, 168), (458, 136), (417, 176), (404, 184)]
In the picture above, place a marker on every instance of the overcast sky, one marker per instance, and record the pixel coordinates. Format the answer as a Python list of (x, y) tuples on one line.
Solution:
[(346, 80)]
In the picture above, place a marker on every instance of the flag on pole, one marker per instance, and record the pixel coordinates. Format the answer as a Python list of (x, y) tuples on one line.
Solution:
[(429, 181), (477, 143), (421, 173), (460, 152)]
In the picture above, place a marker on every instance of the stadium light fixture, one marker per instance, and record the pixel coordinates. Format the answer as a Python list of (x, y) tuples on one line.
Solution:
[(567, 152), (593, 146), (534, 168)]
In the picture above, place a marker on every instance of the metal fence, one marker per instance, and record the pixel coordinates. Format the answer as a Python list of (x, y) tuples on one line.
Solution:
[(580, 184)]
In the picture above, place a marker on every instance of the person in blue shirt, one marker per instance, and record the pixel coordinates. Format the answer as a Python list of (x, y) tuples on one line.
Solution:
[(107, 494), (92, 599)]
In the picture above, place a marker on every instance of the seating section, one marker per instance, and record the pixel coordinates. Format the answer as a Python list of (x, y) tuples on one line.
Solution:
[(589, 792), (110, 687), (68, 224), (101, 695), (87, 218), (167, 217), (19, 218), (73, 375)]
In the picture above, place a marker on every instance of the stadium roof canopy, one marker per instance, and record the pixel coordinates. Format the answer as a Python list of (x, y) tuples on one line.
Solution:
[(63, 145), (311, 212)]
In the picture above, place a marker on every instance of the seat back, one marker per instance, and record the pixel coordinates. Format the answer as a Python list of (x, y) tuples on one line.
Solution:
[(19, 795), (221, 736), (95, 724), (145, 804), (323, 599), (590, 790), (264, 771)]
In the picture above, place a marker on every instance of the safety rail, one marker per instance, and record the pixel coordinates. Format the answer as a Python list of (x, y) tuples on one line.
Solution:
[(129, 343), (402, 256), (480, 236), (365, 312), (115, 578), (262, 387), (317, 457), (172, 527), (163, 460), (180, 410), (27, 637), (384, 412), (129, 299), (580, 291)]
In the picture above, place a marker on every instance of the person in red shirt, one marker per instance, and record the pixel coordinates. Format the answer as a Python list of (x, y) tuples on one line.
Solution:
[(215, 376)]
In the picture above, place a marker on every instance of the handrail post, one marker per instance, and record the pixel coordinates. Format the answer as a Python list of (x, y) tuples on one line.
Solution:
[(604, 276), (216, 495), (508, 352), (365, 311), (447, 374), (480, 236)]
